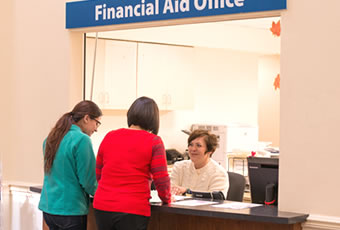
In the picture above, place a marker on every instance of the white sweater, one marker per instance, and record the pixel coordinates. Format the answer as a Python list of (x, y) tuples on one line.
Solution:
[(212, 177)]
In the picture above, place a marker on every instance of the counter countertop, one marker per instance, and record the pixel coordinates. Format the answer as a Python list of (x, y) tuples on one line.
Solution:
[(36, 189), (265, 213)]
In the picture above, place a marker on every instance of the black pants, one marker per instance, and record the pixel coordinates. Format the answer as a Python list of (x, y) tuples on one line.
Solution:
[(120, 221), (56, 222)]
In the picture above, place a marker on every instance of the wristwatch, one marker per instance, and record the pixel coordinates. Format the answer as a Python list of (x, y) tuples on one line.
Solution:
[(187, 192)]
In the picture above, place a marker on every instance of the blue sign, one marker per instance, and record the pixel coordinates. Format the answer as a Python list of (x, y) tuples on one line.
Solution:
[(110, 12)]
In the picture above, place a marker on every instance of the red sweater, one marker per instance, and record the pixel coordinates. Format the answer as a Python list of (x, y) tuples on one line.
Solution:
[(127, 160)]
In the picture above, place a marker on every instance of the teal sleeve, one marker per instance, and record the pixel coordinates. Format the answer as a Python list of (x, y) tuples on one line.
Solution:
[(44, 145), (86, 165)]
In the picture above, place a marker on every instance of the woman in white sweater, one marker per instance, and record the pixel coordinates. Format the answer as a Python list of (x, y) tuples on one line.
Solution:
[(200, 173)]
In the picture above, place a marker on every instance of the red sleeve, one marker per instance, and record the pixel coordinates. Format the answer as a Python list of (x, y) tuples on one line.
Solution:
[(99, 162), (159, 170)]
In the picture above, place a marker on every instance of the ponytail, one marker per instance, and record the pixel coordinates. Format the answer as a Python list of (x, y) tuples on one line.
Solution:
[(54, 138), (63, 125)]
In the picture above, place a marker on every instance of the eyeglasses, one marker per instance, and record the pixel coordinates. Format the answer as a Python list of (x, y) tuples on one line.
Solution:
[(98, 123)]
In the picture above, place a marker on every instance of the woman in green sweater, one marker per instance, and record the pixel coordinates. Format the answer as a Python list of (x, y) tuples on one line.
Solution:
[(69, 166)]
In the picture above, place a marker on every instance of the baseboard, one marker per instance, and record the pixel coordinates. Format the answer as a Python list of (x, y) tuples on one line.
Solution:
[(316, 222), (18, 184)]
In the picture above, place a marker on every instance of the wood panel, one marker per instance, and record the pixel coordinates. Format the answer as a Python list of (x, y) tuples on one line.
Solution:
[(169, 221), (45, 227), (91, 220)]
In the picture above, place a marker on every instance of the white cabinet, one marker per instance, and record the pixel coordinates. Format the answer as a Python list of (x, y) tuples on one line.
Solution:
[(94, 86), (165, 73), (114, 85), (127, 70)]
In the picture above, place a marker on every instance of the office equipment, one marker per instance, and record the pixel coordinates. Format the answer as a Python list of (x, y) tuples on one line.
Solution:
[(230, 137), (263, 178), (172, 155), (208, 195), (237, 184)]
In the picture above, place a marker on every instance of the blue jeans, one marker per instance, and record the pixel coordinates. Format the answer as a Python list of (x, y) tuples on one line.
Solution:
[(56, 222)]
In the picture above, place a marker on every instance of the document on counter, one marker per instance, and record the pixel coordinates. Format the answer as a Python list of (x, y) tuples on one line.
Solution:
[(236, 205), (178, 198), (194, 202), (155, 198)]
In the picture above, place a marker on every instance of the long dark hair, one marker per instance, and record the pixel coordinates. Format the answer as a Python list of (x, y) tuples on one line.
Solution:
[(144, 113), (62, 127)]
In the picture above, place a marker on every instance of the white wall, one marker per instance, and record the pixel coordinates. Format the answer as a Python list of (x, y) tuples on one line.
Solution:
[(19, 209), (310, 111), (40, 80), (228, 35), (269, 100), (225, 91)]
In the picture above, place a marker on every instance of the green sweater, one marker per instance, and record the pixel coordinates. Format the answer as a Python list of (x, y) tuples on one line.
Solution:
[(72, 178)]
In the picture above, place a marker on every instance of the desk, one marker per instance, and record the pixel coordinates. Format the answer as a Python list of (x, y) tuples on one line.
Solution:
[(169, 217)]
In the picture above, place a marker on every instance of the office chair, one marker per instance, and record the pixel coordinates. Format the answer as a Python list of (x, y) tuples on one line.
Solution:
[(237, 183)]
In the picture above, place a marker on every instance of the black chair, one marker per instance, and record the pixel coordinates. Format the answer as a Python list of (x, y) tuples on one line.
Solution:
[(237, 183)]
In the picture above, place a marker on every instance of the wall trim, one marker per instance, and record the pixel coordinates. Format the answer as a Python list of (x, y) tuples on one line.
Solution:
[(318, 222)]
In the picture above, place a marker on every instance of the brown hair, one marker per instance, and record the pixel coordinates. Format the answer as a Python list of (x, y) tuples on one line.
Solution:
[(209, 138), (144, 113), (62, 127)]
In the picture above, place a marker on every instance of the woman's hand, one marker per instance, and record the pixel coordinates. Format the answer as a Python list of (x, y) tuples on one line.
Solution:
[(177, 190)]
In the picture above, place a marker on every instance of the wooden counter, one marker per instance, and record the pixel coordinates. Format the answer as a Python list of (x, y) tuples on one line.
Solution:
[(169, 217), (206, 217)]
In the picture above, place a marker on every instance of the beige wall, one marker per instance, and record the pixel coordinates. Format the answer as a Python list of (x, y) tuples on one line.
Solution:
[(6, 59), (310, 111), (39, 86)]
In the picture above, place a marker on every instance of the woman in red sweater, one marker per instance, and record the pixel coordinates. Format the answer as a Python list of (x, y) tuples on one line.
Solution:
[(127, 161)]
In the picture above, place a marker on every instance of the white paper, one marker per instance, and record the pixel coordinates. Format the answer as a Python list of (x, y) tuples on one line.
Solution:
[(194, 202), (236, 205), (154, 197), (178, 198)]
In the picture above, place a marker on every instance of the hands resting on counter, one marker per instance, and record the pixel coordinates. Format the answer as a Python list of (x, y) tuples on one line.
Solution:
[(177, 190)]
